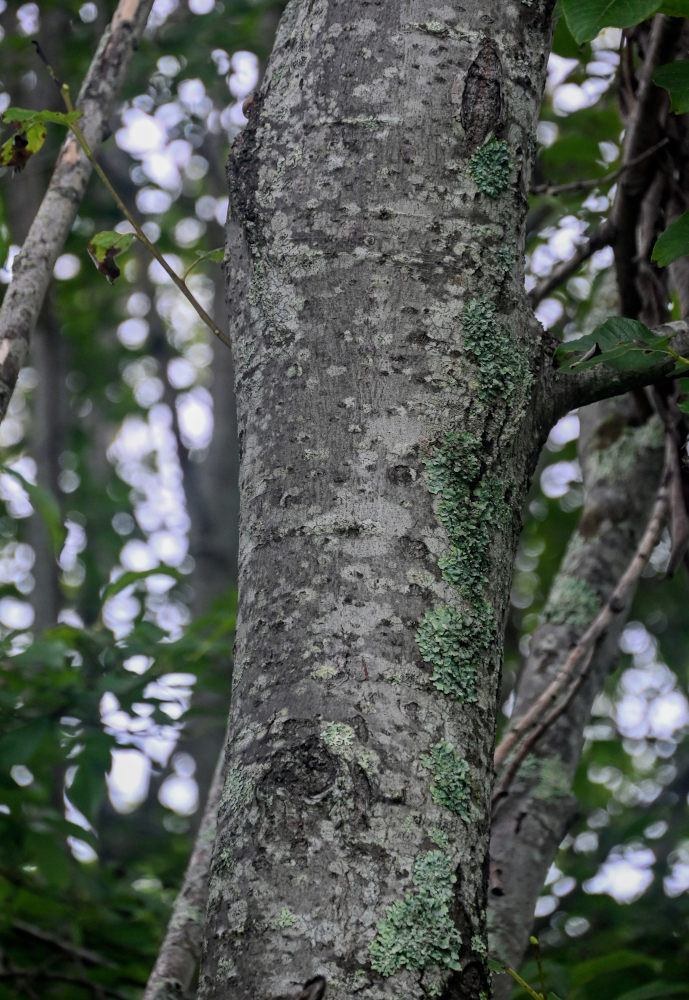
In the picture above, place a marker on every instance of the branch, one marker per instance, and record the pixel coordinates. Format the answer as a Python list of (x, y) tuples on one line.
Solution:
[(33, 267), (641, 132), (530, 727), (573, 186), (81, 953), (180, 951), (29, 975), (602, 236), (573, 389)]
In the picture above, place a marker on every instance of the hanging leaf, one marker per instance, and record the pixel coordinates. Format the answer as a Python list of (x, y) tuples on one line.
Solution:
[(674, 77), (45, 505), (623, 344), (134, 576), (585, 18), (18, 150), (673, 243), (19, 745), (103, 249)]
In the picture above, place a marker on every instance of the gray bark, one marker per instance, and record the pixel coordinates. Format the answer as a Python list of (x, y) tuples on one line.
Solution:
[(392, 396), (529, 823), (619, 440)]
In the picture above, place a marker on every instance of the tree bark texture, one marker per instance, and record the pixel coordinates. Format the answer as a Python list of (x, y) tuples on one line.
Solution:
[(529, 824), (619, 439), (392, 399)]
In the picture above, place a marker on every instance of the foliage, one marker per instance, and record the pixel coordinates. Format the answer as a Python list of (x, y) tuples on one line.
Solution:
[(99, 462)]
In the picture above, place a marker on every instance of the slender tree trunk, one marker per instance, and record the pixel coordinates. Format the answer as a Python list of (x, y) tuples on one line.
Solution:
[(390, 414), (619, 438)]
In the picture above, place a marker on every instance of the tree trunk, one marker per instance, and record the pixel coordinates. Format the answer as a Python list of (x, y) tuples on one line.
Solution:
[(391, 406)]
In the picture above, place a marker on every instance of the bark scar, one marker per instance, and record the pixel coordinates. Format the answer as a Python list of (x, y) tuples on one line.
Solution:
[(483, 109)]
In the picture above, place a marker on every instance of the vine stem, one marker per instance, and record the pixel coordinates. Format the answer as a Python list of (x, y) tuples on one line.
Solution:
[(140, 234)]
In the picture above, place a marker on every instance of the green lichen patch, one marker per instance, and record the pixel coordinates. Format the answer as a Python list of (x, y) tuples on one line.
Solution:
[(469, 508), (439, 838), (467, 512), (455, 464), (445, 642), (338, 737), (238, 789), (418, 931), (572, 601), (226, 969), (501, 364), (490, 167), (284, 919), (505, 259), (470, 522), (324, 673), (450, 786)]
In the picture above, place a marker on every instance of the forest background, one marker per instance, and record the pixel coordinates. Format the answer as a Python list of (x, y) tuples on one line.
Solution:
[(119, 524)]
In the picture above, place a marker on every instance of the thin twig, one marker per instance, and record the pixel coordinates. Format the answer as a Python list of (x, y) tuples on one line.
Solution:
[(602, 236), (60, 977), (527, 729), (140, 234), (82, 953), (573, 186)]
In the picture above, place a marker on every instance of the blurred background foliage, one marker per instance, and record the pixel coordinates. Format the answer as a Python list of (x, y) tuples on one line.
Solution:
[(118, 514)]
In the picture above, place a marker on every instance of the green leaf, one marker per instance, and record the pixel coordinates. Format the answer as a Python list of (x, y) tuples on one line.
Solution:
[(103, 249), (674, 77), (585, 18), (563, 43), (18, 115), (675, 8), (623, 344), (673, 243), (18, 150), (21, 743), (592, 969), (45, 505), (133, 576), (25, 117), (655, 989)]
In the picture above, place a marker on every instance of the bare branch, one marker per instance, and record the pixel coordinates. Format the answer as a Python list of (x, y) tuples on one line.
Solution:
[(601, 237), (641, 132), (573, 186), (33, 267), (529, 728), (72, 949)]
